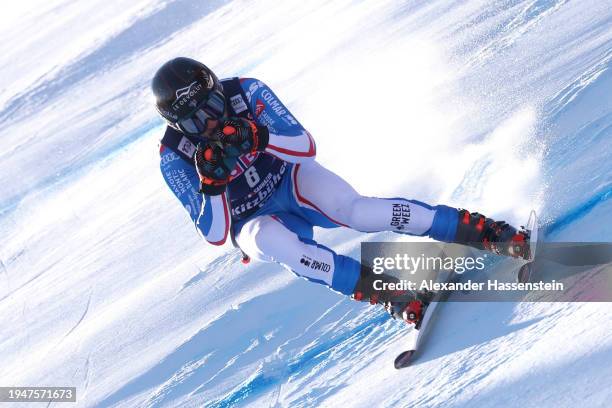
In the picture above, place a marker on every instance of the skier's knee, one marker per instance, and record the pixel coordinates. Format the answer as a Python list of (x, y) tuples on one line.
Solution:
[(263, 239), (252, 239)]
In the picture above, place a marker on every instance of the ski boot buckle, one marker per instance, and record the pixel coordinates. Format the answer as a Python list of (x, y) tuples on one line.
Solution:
[(412, 313)]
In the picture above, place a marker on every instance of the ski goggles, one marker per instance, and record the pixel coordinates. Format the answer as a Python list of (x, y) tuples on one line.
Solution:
[(212, 108)]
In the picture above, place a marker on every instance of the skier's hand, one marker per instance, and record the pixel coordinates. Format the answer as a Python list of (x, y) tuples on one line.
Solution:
[(241, 136), (214, 167)]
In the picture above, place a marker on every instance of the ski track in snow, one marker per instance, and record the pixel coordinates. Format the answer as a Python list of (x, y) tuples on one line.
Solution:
[(83, 315), (174, 322)]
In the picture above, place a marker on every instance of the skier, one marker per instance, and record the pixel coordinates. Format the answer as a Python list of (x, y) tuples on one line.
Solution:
[(243, 167)]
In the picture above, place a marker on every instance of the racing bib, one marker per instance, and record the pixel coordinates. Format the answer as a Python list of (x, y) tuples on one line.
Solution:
[(256, 177)]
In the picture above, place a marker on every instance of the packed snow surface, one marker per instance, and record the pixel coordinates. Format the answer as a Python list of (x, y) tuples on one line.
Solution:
[(497, 106)]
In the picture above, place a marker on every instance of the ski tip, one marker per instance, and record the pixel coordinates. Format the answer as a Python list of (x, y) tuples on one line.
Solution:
[(532, 223), (404, 359), (532, 226), (532, 217)]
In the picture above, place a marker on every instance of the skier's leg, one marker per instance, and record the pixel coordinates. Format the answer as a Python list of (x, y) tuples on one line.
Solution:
[(318, 189), (287, 239)]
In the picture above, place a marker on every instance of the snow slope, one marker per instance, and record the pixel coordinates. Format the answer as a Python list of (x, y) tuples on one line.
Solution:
[(104, 284)]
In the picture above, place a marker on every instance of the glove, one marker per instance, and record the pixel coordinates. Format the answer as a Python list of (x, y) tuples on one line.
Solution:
[(241, 136), (214, 168)]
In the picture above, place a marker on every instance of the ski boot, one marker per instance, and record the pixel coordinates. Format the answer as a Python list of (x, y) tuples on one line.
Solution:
[(410, 311), (400, 304), (475, 230)]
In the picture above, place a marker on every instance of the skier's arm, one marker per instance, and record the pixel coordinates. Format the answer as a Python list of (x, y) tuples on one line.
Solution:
[(214, 222), (214, 174), (292, 149), (288, 139), (209, 213)]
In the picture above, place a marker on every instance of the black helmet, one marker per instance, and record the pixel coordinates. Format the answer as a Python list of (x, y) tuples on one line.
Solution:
[(187, 94)]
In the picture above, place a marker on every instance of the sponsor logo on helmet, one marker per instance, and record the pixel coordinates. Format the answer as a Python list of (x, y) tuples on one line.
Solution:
[(184, 95), (185, 91)]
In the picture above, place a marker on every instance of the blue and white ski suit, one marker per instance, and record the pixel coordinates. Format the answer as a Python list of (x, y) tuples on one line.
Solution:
[(275, 200)]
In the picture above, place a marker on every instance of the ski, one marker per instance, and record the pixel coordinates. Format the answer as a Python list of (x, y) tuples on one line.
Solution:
[(525, 273), (422, 328)]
